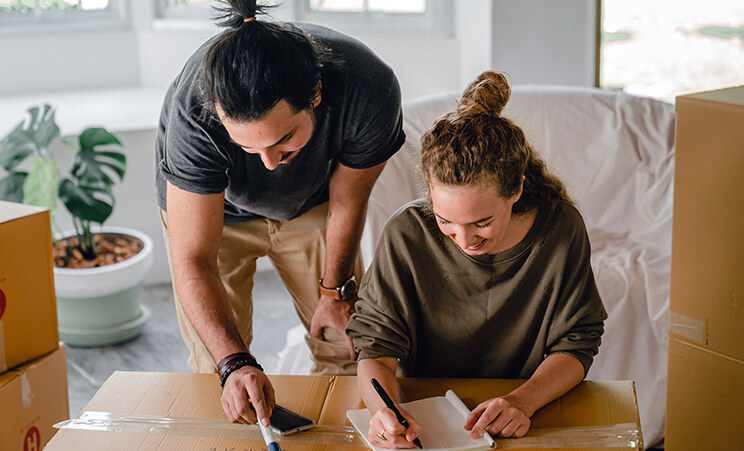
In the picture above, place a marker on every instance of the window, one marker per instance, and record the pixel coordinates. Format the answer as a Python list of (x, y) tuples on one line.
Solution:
[(433, 15), (667, 48), (360, 6), (27, 13), (185, 9)]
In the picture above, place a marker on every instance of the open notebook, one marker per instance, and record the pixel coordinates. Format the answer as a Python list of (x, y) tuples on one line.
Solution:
[(442, 418)]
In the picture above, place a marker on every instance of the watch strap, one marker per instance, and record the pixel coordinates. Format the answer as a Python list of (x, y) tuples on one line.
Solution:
[(330, 292)]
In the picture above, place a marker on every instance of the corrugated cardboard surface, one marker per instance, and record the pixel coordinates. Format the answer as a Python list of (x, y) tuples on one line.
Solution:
[(33, 398), (707, 282), (706, 331), (708, 391), (592, 403), (28, 314), (324, 399)]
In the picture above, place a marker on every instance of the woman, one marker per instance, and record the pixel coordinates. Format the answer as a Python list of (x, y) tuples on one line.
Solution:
[(489, 277)]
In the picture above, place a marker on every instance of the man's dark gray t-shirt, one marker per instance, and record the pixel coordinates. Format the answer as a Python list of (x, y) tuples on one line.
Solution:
[(359, 125)]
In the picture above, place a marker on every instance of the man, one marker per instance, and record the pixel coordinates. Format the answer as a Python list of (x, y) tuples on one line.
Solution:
[(270, 141)]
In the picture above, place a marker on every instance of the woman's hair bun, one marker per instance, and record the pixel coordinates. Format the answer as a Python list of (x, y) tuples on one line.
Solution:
[(487, 94)]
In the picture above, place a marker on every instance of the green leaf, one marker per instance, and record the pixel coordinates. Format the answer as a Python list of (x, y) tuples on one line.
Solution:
[(11, 187), (86, 203), (14, 148), (47, 128), (97, 168), (29, 137), (97, 136), (40, 187)]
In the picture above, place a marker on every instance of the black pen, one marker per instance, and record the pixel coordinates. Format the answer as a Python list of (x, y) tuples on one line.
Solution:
[(389, 403)]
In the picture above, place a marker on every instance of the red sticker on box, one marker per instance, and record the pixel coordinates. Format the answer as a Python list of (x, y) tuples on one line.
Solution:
[(32, 442), (2, 303)]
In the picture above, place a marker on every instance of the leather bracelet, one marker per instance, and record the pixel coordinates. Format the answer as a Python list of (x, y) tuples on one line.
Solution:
[(233, 362)]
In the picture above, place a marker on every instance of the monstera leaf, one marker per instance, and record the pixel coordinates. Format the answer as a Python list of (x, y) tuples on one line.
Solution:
[(85, 203), (29, 137), (40, 186), (11, 187), (95, 168)]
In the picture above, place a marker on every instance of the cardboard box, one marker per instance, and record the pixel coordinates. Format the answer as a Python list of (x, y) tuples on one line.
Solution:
[(192, 403), (28, 313), (706, 337), (33, 397)]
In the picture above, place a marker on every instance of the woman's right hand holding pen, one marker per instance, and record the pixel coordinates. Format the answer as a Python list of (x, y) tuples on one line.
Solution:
[(386, 432)]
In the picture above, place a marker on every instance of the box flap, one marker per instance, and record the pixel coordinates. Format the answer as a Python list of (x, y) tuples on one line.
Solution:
[(324, 399), (12, 210), (728, 95), (7, 377)]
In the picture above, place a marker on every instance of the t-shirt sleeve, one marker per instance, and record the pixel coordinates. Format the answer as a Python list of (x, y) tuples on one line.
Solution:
[(379, 133), (192, 161), (578, 323), (380, 326)]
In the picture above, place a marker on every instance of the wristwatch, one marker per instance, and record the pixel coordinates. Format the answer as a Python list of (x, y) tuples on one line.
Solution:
[(345, 292)]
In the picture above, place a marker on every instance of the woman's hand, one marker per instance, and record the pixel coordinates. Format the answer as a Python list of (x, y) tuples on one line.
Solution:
[(498, 416), (386, 432)]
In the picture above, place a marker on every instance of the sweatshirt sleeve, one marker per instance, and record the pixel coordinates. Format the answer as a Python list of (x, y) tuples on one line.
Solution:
[(381, 326), (578, 322)]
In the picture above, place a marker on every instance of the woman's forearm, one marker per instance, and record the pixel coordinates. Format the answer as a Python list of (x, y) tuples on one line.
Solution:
[(382, 369), (555, 376)]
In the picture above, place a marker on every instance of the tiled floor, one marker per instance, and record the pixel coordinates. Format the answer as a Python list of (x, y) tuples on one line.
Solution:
[(160, 348)]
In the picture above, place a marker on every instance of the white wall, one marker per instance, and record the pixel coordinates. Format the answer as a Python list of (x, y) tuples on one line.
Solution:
[(536, 41), (545, 41)]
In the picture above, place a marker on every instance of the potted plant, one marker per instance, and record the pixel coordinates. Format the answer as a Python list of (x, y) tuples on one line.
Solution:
[(98, 271)]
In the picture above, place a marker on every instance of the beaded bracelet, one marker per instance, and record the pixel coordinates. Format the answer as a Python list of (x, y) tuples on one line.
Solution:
[(234, 362)]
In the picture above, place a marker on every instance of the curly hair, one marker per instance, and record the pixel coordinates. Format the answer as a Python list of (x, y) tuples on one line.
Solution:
[(475, 144)]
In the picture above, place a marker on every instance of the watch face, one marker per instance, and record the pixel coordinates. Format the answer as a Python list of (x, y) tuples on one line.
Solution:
[(348, 290)]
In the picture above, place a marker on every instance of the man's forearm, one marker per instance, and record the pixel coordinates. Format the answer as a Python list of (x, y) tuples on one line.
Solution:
[(205, 302), (343, 233)]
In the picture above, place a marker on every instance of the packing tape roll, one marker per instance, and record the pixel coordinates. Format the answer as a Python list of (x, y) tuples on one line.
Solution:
[(691, 328), (3, 362), (623, 435)]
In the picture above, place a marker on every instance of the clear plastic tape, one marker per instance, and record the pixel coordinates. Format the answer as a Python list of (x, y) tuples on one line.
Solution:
[(206, 427), (688, 327), (624, 435), (26, 393)]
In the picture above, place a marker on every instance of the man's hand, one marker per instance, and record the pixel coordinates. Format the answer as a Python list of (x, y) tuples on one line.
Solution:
[(386, 432), (334, 314), (248, 396), (499, 416)]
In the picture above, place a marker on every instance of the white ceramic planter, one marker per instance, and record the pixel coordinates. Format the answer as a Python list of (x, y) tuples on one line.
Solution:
[(101, 306)]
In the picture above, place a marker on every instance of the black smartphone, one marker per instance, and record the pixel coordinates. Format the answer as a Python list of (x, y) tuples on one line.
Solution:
[(285, 422)]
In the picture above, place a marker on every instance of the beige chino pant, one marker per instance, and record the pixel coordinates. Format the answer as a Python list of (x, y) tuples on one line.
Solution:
[(297, 250)]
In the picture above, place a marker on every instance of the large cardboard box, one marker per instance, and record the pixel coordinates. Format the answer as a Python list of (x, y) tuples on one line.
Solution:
[(171, 411), (28, 314), (706, 328), (33, 397)]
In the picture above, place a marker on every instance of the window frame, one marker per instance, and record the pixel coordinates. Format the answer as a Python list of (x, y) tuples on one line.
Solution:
[(437, 19), (188, 12), (116, 16)]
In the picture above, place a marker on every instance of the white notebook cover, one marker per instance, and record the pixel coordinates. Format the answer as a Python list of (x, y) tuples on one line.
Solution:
[(441, 418)]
